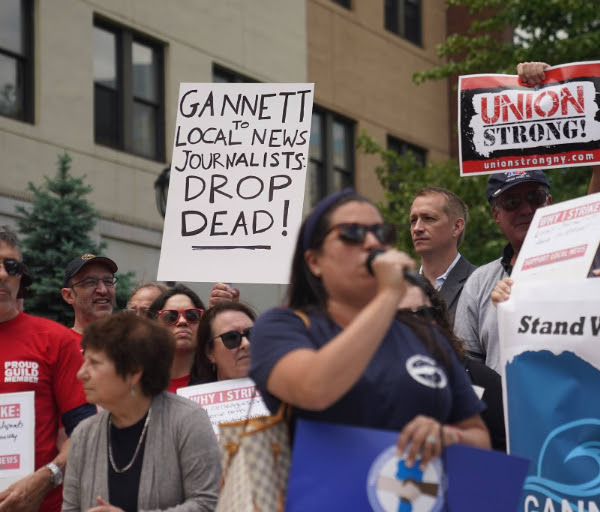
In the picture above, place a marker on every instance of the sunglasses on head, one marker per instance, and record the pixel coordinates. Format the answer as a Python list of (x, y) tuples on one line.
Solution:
[(13, 267), (171, 316), (353, 233), (233, 339), (536, 198)]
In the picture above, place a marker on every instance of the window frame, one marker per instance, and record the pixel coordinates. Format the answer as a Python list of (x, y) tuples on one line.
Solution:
[(125, 37), (325, 183), (25, 64), (397, 23), (419, 153), (346, 4), (232, 77)]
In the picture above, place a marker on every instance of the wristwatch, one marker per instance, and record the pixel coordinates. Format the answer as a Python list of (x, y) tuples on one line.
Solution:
[(56, 477)]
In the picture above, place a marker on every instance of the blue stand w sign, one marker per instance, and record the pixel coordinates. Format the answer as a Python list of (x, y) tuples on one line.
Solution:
[(336, 467)]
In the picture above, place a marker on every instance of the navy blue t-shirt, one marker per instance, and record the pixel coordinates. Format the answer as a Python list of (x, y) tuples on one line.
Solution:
[(401, 381)]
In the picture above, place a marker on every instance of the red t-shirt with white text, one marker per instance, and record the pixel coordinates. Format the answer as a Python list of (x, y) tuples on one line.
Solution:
[(37, 354)]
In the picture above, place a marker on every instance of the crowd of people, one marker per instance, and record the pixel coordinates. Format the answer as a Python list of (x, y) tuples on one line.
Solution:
[(361, 341)]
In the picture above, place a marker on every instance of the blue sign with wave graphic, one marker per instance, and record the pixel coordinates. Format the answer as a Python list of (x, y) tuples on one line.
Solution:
[(556, 424)]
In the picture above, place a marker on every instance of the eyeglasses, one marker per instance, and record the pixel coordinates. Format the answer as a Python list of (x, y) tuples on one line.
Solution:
[(13, 267), (233, 339), (355, 234), (424, 312), (137, 311), (535, 198), (93, 282), (172, 316)]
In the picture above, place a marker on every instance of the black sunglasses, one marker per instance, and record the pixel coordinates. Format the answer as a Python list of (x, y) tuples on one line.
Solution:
[(354, 233), (171, 316), (536, 198), (233, 339), (13, 267)]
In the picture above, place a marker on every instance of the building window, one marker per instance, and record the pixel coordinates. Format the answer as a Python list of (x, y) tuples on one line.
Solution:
[(226, 76), (331, 154), (129, 107), (403, 148), (16, 59), (403, 17), (344, 3)]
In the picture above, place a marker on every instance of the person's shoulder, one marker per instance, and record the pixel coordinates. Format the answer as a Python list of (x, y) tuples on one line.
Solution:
[(481, 273), (44, 323), (181, 412), (467, 264), (50, 328), (278, 315), (89, 424), (176, 405)]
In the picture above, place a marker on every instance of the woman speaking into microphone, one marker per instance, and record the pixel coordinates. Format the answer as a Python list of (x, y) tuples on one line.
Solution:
[(340, 352)]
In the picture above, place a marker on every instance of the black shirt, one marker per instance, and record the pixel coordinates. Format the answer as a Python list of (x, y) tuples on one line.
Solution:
[(123, 488)]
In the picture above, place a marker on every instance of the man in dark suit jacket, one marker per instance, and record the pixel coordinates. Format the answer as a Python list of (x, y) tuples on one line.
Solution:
[(437, 225)]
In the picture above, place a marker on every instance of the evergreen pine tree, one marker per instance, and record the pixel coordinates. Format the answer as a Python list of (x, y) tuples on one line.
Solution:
[(55, 229)]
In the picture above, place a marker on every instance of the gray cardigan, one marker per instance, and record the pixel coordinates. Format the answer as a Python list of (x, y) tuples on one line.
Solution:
[(181, 468)]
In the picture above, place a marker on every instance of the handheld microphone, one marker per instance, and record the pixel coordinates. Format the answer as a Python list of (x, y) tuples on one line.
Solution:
[(411, 276)]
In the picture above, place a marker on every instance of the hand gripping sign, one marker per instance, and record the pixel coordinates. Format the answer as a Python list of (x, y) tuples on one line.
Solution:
[(237, 182)]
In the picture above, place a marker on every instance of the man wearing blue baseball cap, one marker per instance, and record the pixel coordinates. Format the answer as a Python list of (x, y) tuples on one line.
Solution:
[(514, 198)]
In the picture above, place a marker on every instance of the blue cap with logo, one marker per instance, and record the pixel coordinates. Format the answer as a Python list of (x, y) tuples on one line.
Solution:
[(502, 181)]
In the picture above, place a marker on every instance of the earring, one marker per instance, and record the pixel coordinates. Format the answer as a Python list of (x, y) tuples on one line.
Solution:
[(317, 272), (132, 390)]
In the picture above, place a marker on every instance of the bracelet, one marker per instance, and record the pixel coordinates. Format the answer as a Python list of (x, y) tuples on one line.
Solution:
[(457, 432)]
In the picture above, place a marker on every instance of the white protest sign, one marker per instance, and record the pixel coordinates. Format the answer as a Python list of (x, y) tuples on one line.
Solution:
[(561, 242), (237, 182), (17, 436), (227, 400), (549, 338)]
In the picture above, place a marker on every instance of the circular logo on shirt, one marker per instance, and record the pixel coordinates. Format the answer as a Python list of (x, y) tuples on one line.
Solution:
[(426, 371), (393, 487)]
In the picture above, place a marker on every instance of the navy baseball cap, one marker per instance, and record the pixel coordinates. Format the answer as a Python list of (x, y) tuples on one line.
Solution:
[(502, 181), (78, 263)]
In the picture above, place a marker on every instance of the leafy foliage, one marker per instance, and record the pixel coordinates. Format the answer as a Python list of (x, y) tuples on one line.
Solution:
[(55, 230), (401, 177), (552, 31)]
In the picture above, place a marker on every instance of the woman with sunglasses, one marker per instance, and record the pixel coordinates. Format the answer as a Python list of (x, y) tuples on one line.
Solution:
[(223, 343), (338, 354), (179, 309)]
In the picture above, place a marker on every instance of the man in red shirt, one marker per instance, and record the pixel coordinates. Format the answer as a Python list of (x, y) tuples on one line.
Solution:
[(37, 355)]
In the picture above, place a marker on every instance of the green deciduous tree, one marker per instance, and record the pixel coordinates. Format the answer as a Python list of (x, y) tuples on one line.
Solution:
[(552, 31), (55, 229)]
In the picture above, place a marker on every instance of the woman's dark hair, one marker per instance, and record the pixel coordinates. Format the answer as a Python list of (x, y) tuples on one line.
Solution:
[(134, 343), (306, 291), (427, 329), (178, 289), (441, 318), (203, 370)]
